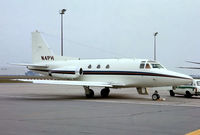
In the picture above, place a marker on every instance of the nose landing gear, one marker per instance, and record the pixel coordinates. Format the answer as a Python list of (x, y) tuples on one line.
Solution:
[(155, 96)]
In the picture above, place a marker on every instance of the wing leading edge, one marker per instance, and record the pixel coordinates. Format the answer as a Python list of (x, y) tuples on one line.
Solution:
[(73, 83)]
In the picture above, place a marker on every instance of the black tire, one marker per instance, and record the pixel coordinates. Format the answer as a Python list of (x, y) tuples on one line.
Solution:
[(155, 96), (105, 92), (90, 94), (188, 94), (171, 92)]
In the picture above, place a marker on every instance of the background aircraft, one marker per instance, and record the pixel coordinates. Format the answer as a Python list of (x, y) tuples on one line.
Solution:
[(192, 67)]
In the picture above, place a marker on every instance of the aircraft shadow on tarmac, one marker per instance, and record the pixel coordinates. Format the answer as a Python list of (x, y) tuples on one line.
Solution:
[(49, 97)]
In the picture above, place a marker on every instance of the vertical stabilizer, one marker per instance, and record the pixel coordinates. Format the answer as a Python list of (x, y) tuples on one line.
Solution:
[(40, 49)]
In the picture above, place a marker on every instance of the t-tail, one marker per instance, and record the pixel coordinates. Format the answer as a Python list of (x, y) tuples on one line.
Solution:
[(41, 51)]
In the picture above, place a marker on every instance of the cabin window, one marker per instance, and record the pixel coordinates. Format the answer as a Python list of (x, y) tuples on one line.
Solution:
[(98, 66), (108, 66), (147, 66), (142, 64), (90, 66)]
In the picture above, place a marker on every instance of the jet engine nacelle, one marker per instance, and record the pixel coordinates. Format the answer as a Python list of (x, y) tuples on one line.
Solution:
[(66, 73)]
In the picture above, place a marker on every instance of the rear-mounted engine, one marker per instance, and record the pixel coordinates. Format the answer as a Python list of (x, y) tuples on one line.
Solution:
[(66, 73)]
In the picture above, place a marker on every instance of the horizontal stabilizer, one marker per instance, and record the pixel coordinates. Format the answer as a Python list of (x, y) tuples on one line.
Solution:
[(73, 83), (32, 65)]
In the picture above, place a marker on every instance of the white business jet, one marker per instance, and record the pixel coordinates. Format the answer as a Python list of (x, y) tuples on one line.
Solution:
[(106, 73)]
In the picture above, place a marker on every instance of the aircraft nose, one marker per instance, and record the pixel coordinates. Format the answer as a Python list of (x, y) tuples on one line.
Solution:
[(182, 79)]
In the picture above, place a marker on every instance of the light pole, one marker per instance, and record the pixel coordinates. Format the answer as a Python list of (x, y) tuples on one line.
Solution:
[(155, 34), (62, 12)]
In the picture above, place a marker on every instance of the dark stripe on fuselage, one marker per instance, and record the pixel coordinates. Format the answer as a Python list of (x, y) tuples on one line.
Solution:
[(55, 71), (130, 73), (87, 72), (61, 72)]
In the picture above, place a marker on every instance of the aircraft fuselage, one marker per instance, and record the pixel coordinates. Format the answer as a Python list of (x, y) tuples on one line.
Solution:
[(127, 72)]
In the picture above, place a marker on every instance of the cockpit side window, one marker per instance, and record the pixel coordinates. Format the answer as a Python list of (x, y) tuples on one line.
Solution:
[(142, 64), (147, 66)]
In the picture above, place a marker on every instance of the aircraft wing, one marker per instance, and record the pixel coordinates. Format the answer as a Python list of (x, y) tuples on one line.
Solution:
[(32, 65), (73, 83)]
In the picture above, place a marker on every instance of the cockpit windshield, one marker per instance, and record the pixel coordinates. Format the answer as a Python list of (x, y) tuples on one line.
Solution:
[(155, 64), (150, 64)]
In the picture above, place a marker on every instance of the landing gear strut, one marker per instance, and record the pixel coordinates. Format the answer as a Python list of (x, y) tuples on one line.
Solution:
[(155, 96), (105, 92), (89, 93)]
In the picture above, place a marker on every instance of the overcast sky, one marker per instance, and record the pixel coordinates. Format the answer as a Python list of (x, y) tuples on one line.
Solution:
[(104, 29)]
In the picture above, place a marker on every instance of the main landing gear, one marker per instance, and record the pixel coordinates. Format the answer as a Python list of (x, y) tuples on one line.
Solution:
[(105, 92), (155, 95), (89, 93)]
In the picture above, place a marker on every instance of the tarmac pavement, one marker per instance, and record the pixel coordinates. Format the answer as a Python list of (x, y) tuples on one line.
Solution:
[(30, 109)]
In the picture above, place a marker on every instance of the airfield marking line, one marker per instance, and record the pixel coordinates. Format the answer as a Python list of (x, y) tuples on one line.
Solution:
[(195, 132)]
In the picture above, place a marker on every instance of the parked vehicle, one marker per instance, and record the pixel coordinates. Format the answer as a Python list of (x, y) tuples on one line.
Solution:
[(190, 90)]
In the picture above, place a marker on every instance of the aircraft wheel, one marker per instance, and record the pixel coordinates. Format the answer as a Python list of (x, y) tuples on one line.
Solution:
[(171, 92), (105, 92), (155, 96), (90, 93)]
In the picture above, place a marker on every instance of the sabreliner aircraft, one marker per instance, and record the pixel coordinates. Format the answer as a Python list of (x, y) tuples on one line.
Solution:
[(106, 73)]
